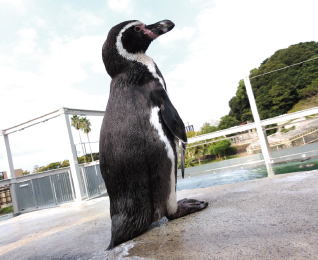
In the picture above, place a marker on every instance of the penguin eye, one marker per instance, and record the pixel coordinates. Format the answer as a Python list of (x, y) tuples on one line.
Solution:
[(137, 29)]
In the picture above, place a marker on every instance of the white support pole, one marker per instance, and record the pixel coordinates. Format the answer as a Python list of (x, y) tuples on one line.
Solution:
[(260, 130), (75, 171), (10, 172), (8, 157)]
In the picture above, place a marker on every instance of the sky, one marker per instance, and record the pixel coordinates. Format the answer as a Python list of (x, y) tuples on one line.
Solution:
[(50, 57)]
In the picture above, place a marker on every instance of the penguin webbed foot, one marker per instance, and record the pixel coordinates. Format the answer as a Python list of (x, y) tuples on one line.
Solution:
[(110, 247), (188, 206)]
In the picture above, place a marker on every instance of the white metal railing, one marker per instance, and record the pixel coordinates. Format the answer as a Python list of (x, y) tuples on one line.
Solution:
[(54, 186), (41, 174), (249, 126), (5, 182)]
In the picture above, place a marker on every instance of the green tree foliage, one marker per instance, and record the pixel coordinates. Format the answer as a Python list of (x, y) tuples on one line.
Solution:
[(51, 166), (78, 122), (190, 134), (199, 151), (277, 92), (240, 106), (26, 172), (188, 163), (309, 90), (227, 122), (207, 128), (283, 98), (65, 163), (221, 148), (86, 126)]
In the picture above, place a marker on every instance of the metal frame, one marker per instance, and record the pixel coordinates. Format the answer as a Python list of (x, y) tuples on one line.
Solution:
[(78, 189)]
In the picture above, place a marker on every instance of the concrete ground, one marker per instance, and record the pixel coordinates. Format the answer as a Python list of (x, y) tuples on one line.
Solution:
[(271, 218)]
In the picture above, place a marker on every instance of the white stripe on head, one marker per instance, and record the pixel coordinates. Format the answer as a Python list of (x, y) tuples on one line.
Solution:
[(139, 57), (172, 199)]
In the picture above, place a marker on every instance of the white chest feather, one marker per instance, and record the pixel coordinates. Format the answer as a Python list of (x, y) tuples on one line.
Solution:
[(172, 199)]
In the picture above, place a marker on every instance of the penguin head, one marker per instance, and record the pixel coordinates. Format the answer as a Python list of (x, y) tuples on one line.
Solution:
[(129, 39)]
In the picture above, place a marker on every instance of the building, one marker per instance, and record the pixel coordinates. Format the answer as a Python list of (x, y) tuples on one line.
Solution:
[(4, 176)]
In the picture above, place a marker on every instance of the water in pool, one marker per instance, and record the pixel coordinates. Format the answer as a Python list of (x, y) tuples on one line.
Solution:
[(210, 179)]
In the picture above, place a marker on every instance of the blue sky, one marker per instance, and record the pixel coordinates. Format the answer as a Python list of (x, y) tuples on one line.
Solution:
[(51, 57)]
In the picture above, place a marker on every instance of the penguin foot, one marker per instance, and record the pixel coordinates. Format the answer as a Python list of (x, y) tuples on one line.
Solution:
[(188, 206), (111, 245)]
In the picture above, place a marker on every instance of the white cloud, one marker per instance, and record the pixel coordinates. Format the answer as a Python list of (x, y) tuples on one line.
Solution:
[(121, 5), (176, 34), (12, 2), (18, 6), (52, 85), (85, 20), (26, 44)]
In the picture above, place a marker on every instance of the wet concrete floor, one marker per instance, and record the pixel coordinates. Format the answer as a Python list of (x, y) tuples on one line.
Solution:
[(271, 218)]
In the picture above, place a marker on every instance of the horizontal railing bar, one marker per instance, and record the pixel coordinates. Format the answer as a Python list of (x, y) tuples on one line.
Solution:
[(265, 122), (41, 174), (5, 182), (83, 112)]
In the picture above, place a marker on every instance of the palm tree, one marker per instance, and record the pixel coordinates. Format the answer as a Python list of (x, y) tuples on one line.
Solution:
[(77, 123), (86, 129)]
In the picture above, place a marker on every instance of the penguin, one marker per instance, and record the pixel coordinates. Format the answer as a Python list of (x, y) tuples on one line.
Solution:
[(140, 134)]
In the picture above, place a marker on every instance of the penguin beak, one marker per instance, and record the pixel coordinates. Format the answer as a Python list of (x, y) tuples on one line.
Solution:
[(159, 28)]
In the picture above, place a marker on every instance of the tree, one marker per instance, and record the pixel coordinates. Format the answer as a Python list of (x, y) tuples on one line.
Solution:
[(199, 151), (86, 124), (187, 163), (283, 99), (277, 92), (190, 134), (65, 163), (221, 148), (77, 123), (240, 106), (207, 128), (26, 172), (50, 166), (227, 122), (309, 90)]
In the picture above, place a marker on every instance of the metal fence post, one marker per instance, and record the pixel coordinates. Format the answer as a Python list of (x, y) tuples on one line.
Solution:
[(260, 130), (53, 190), (73, 159), (34, 196), (85, 181), (10, 172), (96, 173), (71, 183)]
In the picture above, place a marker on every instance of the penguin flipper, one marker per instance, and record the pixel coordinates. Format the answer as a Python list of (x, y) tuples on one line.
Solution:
[(182, 159), (173, 121)]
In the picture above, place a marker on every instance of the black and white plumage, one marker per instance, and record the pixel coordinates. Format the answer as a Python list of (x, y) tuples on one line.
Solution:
[(139, 139)]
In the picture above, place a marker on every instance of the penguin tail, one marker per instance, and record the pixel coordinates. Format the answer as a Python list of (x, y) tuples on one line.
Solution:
[(183, 158)]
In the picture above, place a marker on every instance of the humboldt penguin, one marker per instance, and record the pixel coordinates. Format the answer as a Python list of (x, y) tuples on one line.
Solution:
[(140, 134)]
